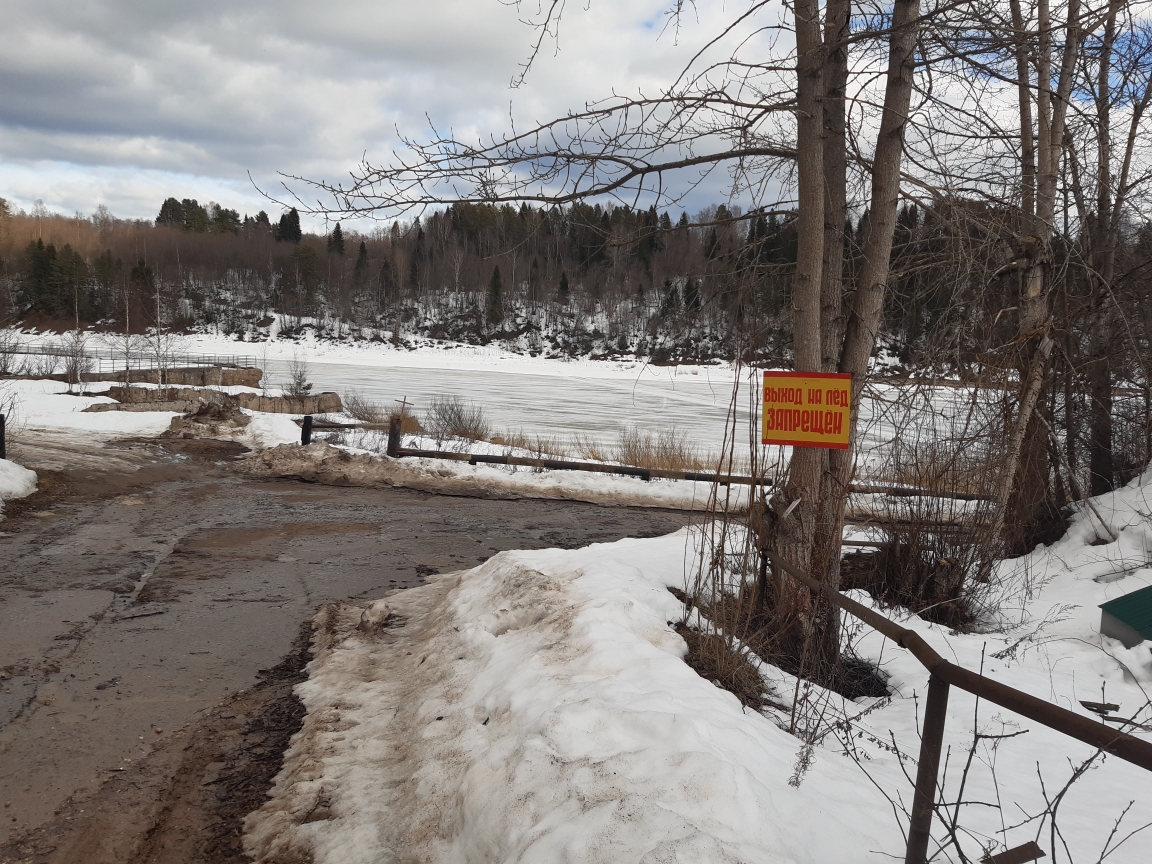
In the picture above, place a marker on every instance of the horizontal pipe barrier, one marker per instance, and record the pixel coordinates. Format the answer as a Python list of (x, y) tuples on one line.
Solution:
[(636, 471)]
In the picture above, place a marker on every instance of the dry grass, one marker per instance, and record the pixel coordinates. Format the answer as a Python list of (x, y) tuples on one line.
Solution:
[(587, 447), (713, 659), (363, 408), (453, 417), (540, 446), (667, 450)]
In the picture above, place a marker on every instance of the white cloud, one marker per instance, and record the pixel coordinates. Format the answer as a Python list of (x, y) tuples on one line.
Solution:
[(124, 102)]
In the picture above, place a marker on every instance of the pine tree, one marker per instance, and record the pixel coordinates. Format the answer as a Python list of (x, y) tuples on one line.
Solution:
[(196, 218), (336, 241)]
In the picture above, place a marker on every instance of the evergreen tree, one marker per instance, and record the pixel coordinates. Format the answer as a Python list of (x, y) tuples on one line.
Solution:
[(360, 271), (223, 221), (564, 288), (665, 221), (288, 231), (336, 241), (37, 282), (683, 223), (107, 270), (171, 214), (196, 220), (691, 295), (712, 247), (671, 304), (495, 298), (142, 279)]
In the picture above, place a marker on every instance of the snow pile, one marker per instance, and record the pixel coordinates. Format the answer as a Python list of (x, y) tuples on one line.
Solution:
[(322, 463), (16, 481), (47, 404), (537, 708)]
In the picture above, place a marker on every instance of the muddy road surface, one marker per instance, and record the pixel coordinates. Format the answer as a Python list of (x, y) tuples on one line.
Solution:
[(153, 619)]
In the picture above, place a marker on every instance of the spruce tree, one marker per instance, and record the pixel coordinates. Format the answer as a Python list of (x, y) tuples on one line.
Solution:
[(336, 241), (288, 231), (360, 271)]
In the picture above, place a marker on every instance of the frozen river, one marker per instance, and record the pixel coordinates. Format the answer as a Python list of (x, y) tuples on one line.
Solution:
[(564, 403), (653, 400)]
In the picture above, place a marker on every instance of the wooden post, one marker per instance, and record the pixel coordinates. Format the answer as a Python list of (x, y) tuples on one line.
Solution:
[(394, 437), (306, 431), (2, 455), (931, 740)]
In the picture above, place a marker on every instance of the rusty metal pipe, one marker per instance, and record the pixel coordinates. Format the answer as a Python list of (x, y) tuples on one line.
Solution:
[(1120, 744), (927, 771)]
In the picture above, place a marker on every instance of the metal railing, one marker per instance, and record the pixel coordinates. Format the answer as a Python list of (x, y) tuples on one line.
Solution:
[(942, 676), (113, 360), (396, 451)]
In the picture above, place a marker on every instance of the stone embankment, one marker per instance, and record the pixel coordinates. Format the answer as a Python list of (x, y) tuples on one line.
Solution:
[(186, 399)]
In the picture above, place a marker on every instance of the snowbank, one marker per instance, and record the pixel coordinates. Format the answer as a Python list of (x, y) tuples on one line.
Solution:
[(16, 481), (537, 708), (47, 405), (322, 463)]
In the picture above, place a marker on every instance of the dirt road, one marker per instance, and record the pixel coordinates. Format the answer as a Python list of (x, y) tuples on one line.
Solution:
[(151, 606)]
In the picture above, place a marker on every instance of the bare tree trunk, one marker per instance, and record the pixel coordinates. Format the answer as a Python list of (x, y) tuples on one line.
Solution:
[(1030, 502), (797, 508), (830, 517), (865, 318)]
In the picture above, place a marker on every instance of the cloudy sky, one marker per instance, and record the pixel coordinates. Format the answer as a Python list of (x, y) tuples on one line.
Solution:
[(125, 102)]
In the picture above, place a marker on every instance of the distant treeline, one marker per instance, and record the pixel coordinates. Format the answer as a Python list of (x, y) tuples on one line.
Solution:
[(578, 280)]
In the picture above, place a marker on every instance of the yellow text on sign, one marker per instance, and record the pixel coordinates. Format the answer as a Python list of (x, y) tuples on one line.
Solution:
[(807, 409)]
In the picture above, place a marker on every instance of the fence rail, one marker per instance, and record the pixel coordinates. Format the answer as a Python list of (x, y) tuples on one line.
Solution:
[(396, 451), (112, 360), (942, 676)]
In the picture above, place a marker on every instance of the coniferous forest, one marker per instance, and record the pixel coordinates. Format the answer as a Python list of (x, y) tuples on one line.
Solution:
[(582, 281)]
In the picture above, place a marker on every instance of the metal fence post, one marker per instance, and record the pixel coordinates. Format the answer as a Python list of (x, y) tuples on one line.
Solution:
[(306, 431), (931, 740), (394, 437)]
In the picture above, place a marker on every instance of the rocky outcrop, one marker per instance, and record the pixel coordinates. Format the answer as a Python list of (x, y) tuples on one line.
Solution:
[(210, 420), (321, 403), (184, 399), (154, 405)]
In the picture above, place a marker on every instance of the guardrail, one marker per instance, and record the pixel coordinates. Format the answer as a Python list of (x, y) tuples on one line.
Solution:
[(942, 676), (308, 424), (117, 360)]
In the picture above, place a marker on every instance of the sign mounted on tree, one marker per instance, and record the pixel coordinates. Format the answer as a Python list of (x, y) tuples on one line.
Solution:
[(807, 409)]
